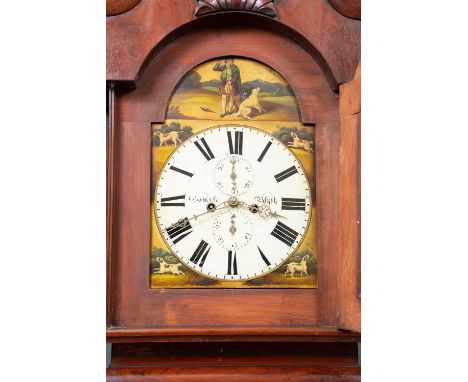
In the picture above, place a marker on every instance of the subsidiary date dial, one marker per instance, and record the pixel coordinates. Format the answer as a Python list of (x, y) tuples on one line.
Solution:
[(232, 203), (232, 229)]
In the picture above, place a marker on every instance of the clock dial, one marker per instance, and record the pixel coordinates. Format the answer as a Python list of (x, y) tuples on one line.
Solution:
[(232, 203)]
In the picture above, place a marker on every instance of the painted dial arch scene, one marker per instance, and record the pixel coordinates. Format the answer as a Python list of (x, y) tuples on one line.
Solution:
[(233, 183), (233, 203)]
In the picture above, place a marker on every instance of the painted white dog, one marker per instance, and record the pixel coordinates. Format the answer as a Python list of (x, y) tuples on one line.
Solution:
[(167, 137), (301, 144), (301, 267), (168, 268), (248, 104)]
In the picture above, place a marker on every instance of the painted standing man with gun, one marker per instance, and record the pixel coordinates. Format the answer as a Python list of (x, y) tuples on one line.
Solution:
[(230, 85)]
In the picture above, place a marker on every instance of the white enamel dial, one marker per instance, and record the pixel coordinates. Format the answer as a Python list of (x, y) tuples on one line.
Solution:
[(232, 203)]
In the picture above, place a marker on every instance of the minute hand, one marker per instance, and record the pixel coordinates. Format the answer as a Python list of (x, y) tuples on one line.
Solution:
[(183, 222)]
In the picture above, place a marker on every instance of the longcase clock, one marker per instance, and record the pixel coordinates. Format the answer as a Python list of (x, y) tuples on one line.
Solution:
[(233, 190)]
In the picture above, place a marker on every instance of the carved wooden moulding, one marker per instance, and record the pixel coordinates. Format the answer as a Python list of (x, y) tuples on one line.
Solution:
[(266, 7)]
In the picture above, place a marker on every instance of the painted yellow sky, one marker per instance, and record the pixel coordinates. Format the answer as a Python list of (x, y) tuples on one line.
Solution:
[(249, 70)]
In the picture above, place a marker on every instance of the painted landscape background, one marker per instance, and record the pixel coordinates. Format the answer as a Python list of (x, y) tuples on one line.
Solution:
[(194, 106), (196, 96)]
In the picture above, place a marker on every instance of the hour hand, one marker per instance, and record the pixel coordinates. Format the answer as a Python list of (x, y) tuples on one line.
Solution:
[(277, 215), (263, 210), (211, 207)]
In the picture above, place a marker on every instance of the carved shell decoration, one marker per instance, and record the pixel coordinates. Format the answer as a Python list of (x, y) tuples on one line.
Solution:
[(266, 7)]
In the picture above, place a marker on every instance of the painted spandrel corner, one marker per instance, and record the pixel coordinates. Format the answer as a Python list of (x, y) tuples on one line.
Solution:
[(215, 114)]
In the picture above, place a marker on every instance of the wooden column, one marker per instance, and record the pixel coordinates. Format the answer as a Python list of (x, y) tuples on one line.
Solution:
[(349, 243)]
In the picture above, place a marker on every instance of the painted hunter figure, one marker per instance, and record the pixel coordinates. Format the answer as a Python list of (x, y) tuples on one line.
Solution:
[(230, 86)]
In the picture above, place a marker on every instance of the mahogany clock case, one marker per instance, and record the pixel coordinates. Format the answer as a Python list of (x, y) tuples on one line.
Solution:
[(138, 98), (269, 235)]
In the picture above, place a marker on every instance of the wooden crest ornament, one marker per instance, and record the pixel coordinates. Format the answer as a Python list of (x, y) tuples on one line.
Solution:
[(266, 7)]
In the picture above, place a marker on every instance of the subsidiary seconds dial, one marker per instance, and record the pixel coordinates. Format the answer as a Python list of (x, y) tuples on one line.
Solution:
[(232, 203)]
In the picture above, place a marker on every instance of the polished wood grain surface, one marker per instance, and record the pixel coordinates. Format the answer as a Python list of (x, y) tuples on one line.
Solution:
[(349, 243), (133, 36), (234, 374), (326, 148), (348, 8), (110, 201), (117, 7), (235, 361), (235, 333), (186, 354)]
